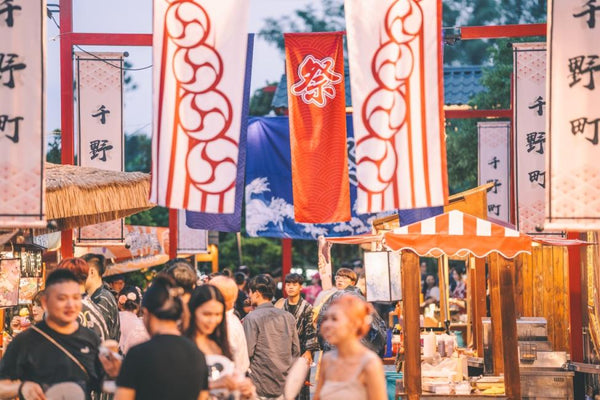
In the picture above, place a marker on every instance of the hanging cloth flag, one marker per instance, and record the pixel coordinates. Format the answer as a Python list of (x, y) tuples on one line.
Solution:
[(230, 222), (22, 119), (200, 57), (529, 106), (317, 104), (572, 168), (100, 129), (493, 150), (394, 52)]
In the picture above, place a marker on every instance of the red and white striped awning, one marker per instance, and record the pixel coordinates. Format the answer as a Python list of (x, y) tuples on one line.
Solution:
[(458, 234)]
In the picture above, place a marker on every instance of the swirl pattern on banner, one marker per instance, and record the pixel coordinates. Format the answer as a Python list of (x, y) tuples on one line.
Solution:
[(385, 109), (203, 112)]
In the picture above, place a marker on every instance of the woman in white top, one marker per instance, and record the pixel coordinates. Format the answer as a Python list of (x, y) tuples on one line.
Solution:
[(133, 331), (208, 329), (352, 371)]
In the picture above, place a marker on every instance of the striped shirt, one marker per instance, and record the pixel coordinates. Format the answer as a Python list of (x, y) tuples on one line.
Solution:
[(107, 305)]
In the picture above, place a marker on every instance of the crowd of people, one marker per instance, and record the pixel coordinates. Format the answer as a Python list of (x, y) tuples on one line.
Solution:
[(193, 337)]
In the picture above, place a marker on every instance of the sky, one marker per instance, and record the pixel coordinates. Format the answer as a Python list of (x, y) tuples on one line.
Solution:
[(135, 16)]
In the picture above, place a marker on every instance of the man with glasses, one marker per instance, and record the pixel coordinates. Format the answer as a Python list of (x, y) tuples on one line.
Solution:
[(345, 281)]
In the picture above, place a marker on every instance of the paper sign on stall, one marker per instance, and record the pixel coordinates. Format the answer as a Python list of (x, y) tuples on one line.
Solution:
[(22, 120), (573, 170)]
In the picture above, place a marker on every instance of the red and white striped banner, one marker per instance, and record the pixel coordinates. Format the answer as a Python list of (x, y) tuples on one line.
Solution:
[(530, 134), (22, 120), (317, 103), (199, 58), (395, 58), (494, 166), (573, 170), (100, 129)]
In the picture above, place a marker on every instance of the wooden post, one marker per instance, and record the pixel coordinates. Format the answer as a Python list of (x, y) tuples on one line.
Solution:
[(172, 233), (444, 290), (478, 296), (496, 312), (510, 352), (411, 280), (286, 257)]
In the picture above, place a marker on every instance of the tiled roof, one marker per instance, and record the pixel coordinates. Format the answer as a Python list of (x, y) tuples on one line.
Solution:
[(460, 85)]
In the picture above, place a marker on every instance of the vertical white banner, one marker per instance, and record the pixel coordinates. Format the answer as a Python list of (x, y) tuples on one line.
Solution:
[(394, 54), (100, 127), (190, 241), (22, 105), (573, 195), (494, 166), (199, 67), (530, 134)]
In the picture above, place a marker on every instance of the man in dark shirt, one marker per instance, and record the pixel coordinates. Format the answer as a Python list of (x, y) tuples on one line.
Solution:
[(33, 362), (272, 340), (101, 295)]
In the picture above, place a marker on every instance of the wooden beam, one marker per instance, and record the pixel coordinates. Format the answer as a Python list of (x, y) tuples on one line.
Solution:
[(502, 31), (462, 114), (111, 39), (496, 312), (510, 344), (411, 281)]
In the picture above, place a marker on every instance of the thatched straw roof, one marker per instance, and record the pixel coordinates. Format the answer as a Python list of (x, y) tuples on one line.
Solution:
[(136, 264), (80, 196)]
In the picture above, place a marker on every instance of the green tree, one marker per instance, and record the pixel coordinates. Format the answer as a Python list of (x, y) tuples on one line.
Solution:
[(53, 154), (138, 153), (308, 19)]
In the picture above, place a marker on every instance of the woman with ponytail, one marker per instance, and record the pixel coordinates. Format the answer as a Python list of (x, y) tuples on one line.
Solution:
[(168, 366), (208, 329), (351, 371)]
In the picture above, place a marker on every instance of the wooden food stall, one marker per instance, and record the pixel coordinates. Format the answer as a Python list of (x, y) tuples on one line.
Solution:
[(457, 234)]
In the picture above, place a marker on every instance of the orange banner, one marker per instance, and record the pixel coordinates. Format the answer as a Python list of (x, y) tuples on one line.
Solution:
[(317, 104)]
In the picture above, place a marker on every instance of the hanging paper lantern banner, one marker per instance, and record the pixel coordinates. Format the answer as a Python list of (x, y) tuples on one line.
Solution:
[(494, 166), (394, 53), (573, 171), (199, 58), (22, 120), (317, 103), (100, 117), (530, 134)]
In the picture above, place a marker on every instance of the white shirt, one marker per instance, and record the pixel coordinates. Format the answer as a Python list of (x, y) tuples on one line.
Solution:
[(237, 342)]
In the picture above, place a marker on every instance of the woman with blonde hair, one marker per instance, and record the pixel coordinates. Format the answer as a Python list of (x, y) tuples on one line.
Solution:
[(351, 371)]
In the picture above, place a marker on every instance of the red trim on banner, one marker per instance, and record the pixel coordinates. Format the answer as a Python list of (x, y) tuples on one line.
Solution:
[(175, 128), (441, 104), (424, 113), (411, 168)]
